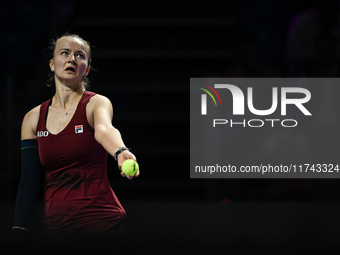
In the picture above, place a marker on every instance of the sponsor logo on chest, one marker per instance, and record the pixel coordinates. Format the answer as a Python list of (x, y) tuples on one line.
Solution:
[(79, 129), (42, 133)]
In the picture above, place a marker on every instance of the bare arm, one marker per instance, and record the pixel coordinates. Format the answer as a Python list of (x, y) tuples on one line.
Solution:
[(100, 117), (29, 124)]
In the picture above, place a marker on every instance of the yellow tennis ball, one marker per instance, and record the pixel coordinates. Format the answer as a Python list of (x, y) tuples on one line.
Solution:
[(130, 167)]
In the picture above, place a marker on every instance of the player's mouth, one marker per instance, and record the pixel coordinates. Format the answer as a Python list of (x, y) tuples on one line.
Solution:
[(71, 69)]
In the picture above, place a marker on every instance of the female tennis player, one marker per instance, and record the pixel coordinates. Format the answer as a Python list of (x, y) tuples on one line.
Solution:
[(70, 136)]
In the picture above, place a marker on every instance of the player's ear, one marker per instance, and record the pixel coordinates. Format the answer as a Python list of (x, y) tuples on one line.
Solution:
[(88, 70), (51, 63)]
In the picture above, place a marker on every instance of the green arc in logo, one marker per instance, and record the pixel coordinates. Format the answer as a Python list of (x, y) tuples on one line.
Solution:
[(209, 95)]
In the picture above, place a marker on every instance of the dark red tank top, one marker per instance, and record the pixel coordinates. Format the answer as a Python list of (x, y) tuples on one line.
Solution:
[(78, 197)]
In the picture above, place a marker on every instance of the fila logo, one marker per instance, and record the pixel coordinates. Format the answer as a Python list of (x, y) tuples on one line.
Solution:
[(79, 129)]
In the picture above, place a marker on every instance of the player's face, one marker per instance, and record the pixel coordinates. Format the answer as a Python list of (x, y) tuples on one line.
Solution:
[(70, 60)]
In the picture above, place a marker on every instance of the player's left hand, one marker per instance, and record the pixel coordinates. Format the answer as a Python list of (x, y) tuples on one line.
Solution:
[(121, 158)]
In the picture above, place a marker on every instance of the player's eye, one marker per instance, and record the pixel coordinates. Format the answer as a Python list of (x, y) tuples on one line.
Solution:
[(80, 55)]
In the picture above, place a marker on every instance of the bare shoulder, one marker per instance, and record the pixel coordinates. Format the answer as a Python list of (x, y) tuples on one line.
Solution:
[(97, 107), (29, 124), (99, 100)]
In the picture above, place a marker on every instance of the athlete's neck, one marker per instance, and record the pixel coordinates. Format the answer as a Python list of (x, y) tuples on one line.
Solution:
[(65, 97)]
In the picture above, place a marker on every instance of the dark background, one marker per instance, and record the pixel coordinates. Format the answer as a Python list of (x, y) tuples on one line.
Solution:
[(144, 56)]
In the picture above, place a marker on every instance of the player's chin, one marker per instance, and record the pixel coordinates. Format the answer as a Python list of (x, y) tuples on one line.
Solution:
[(72, 79)]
